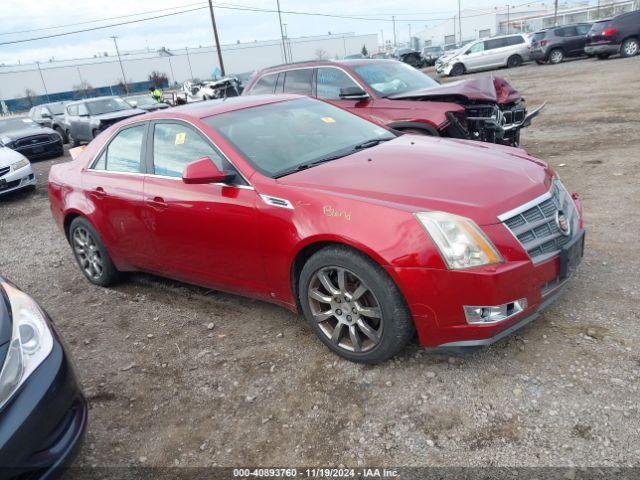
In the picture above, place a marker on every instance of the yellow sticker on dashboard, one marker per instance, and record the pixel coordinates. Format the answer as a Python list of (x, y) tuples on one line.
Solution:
[(180, 138), (328, 120)]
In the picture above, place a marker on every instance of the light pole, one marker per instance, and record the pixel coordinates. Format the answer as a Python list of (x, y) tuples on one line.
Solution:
[(215, 36), (42, 78), (189, 62), (460, 21), (395, 40), (409, 35), (284, 46), (555, 13), (124, 78)]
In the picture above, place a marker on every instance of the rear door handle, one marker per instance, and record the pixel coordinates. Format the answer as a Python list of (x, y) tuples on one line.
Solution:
[(157, 203)]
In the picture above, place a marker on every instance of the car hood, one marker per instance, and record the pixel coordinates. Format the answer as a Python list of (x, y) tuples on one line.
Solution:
[(8, 156), (152, 108), (486, 89), (27, 132), (418, 173), (119, 114)]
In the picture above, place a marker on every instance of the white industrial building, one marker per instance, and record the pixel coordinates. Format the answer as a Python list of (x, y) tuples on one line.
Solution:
[(47, 78)]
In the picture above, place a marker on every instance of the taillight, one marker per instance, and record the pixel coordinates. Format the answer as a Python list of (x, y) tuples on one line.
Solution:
[(543, 43), (609, 31)]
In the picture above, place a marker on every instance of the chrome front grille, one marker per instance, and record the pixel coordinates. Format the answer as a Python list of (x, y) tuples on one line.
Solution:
[(534, 224), (32, 141)]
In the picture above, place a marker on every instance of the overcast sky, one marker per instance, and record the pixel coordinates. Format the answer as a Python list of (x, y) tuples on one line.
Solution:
[(194, 29)]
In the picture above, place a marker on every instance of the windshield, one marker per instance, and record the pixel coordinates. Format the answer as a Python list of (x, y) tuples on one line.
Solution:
[(388, 78), (106, 105), (280, 138), (17, 124), (56, 108), (142, 101), (432, 49)]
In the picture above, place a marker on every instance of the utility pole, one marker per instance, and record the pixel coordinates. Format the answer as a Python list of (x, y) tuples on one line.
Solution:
[(42, 78), (288, 42), (215, 37), (508, 20), (395, 40), (124, 78), (171, 68), (555, 13), (189, 62), (81, 82), (460, 21), (409, 35), (284, 46)]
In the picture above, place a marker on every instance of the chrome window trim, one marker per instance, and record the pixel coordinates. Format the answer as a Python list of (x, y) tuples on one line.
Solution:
[(174, 119), (342, 70), (313, 67)]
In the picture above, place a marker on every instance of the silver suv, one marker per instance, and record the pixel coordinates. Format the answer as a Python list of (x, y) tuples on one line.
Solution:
[(503, 51)]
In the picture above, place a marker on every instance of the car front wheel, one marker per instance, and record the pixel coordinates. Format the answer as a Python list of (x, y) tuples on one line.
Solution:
[(458, 69), (91, 255), (353, 305)]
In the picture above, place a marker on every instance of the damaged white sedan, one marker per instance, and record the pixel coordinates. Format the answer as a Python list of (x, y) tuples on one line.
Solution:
[(15, 171)]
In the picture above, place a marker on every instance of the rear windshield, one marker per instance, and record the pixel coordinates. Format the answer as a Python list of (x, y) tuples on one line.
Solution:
[(599, 26), (539, 36)]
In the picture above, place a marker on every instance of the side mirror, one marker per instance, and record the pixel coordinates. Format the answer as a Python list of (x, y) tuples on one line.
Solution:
[(45, 115), (353, 93), (205, 171)]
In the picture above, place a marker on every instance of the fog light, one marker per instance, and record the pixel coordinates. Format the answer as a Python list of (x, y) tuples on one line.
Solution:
[(494, 314)]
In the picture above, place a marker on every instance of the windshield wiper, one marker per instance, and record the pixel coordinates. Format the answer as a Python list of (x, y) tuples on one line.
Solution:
[(371, 143)]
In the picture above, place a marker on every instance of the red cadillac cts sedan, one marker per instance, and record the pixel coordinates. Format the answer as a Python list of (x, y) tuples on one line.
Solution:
[(371, 235)]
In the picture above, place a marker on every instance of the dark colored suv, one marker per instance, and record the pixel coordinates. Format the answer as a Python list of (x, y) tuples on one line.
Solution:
[(553, 45), (620, 34)]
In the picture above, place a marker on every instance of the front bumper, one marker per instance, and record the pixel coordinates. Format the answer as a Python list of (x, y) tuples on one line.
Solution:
[(443, 69), (42, 426), (49, 149), (17, 180), (436, 299), (598, 49)]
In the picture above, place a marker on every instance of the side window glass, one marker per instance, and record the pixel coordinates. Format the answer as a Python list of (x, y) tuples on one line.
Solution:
[(280, 82), (72, 110), (330, 81), (495, 43), (101, 163), (266, 84), (175, 145), (570, 32), (478, 47), (124, 151), (583, 29), (298, 81), (82, 109)]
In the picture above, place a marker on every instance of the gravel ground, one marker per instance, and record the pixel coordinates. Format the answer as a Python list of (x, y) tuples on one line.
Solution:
[(178, 375)]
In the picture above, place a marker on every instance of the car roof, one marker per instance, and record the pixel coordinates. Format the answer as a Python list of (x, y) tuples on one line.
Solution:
[(350, 62), (211, 108), (90, 100)]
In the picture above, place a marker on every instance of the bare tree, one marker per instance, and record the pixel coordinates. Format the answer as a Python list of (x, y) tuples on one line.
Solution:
[(83, 90), (124, 88), (365, 52), (158, 79), (321, 54), (30, 95)]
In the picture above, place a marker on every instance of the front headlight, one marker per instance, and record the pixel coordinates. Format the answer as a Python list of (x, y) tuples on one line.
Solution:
[(31, 342), (19, 164), (460, 241)]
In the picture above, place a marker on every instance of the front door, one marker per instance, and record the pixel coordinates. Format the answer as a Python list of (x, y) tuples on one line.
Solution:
[(204, 234)]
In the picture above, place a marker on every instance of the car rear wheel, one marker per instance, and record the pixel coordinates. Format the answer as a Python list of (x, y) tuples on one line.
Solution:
[(353, 306), (457, 69), (556, 56), (72, 141), (603, 56), (514, 61), (91, 254), (540, 62), (630, 47), (62, 134)]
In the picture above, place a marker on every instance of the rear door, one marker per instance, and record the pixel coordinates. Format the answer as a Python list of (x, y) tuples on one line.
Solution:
[(474, 58), (113, 185), (495, 54), (329, 82), (581, 40), (83, 124), (204, 234), (571, 41), (299, 81)]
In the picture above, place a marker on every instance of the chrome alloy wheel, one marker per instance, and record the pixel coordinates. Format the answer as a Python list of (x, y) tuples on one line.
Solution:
[(345, 309), (631, 48), (88, 253), (556, 56)]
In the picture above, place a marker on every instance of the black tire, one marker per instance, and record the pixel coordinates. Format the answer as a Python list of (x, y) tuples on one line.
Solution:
[(457, 69), (394, 325), (72, 141), (108, 275), (62, 134), (540, 62), (630, 48), (556, 56), (603, 56), (514, 61)]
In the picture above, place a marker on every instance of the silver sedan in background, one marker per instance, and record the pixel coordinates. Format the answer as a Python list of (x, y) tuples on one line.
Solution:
[(15, 171)]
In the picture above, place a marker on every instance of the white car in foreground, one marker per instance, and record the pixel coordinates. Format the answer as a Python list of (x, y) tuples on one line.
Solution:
[(15, 171)]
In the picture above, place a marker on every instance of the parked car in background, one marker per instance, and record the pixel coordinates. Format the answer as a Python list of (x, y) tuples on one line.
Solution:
[(620, 34), (409, 56), (381, 55), (50, 115), (369, 234), (431, 54), (30, 139), (15, 172), (553, 45), (354, 56), (212, 89), (43, 413), (403, 98), (496, 52), (85, 119), (146, 103)]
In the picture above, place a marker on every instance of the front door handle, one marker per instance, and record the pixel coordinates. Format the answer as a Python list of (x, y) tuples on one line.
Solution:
[(99, 192), (157, 203)]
